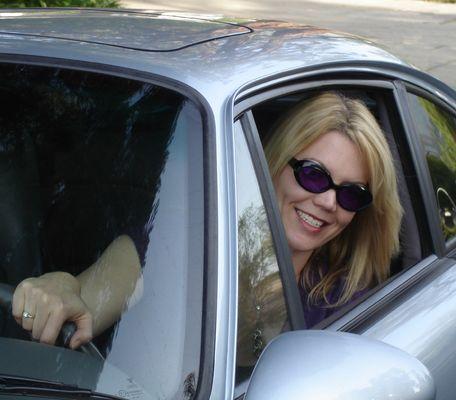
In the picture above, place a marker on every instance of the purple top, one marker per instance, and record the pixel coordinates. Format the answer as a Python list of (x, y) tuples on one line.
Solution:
[(315, 313)]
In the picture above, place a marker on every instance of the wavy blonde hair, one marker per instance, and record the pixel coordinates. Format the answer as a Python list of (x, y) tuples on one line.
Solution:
[(361, 253)]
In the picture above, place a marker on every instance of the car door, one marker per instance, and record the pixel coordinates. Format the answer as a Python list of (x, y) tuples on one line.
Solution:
[(419, 291)]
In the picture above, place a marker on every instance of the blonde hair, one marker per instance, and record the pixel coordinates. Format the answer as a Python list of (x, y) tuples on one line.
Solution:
[(361, 253)]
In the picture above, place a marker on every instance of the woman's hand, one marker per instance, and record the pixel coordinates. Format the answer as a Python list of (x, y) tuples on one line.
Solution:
[(42, 305)]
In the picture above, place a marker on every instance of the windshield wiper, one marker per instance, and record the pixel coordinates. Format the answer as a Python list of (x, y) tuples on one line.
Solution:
[(10, 384)]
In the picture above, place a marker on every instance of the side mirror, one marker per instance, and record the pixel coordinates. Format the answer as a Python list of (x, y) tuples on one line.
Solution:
[(337, 366)]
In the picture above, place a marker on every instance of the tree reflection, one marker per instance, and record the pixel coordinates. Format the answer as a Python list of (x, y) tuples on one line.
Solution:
[(445, 132), (395, 383), (262, 312)]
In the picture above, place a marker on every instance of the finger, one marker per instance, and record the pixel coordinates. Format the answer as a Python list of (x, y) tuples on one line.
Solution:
[(28, 314), (52, 328), (41, 318), (84, 332), (18, 304)]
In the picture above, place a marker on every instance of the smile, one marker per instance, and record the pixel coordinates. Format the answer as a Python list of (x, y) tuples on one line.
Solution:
[(309, 219)]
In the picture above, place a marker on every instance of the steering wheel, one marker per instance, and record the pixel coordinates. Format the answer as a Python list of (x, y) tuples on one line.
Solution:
[(66, 333)]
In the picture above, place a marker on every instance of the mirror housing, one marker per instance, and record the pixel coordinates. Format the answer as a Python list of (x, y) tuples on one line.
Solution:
[(337, 366)]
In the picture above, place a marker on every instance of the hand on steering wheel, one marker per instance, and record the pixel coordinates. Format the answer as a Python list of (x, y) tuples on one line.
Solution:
[(67, 331), (42, 305)]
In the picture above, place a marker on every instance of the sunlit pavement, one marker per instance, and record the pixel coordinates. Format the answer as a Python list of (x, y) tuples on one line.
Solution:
[(422, 33)]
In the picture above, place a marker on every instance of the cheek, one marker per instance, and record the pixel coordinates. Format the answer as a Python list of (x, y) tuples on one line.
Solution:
[(278, 192), (344, 218), (281, 187)]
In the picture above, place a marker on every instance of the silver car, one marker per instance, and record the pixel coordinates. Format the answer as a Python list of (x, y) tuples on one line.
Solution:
[(151, 124)]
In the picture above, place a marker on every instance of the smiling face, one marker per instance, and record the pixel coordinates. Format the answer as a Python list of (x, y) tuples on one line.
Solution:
[(310, 219)]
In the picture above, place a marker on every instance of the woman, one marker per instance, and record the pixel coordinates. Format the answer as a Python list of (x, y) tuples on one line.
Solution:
[(337, 194)]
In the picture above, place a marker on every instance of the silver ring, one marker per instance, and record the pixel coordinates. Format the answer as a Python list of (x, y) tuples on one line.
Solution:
[(26, 315)]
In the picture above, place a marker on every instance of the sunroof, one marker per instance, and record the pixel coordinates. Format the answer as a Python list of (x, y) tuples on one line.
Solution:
[(137, 30)]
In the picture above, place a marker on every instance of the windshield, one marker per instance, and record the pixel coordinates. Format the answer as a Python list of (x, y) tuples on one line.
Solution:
[(88, 162)]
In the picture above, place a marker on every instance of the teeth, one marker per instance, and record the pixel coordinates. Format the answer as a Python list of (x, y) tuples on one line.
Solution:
[(307, 218)]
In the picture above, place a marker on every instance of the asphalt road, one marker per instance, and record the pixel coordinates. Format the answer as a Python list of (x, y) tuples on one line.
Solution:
[(423, 34)]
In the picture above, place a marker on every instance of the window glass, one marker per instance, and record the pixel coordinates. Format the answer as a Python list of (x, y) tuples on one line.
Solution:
[(262, 313), (437, 130), (86, 159)]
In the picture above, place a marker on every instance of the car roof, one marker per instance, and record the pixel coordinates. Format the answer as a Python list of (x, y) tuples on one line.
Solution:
[(213, 54), (152, 31)]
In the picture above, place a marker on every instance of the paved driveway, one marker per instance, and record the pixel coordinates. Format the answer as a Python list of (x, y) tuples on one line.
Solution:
[(422, 33)]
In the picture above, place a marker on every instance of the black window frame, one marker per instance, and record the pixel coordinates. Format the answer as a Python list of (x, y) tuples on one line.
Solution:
[(210, 246), (286, 270)]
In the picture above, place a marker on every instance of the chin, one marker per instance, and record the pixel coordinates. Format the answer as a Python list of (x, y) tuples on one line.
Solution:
[(303, 245)]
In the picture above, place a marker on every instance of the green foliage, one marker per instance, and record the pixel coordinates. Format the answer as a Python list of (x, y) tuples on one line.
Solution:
[(59, 3), (445, 126), (443, 167)]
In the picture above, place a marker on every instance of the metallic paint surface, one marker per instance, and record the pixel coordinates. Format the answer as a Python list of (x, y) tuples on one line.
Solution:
[(216, 68), (226, 318), (423, 323), (395, 285), (160, 31), (337, 366)]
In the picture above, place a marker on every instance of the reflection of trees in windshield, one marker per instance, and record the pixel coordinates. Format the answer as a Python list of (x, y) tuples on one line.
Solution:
[(393, 383), (262, 312)]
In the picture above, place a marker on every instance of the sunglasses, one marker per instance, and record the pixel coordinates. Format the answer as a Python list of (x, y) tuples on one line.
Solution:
[(314, 178)]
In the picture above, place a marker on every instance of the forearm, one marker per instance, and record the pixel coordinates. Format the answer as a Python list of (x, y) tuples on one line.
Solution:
[(107, 285)]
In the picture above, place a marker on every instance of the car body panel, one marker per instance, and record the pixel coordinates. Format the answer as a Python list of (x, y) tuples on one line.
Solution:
[(217, 65), (153, 32), (423, 323), (278, 47)]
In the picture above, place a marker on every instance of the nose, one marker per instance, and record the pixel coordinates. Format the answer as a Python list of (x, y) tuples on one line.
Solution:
[(326, 200)]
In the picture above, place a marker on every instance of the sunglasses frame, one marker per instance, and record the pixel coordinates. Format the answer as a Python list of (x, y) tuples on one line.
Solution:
[(298, 164)]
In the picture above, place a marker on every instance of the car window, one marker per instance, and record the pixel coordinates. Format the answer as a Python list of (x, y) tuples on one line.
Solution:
[(436, 128), (86, 158), (382, 106), (412, 230), (262, 312)]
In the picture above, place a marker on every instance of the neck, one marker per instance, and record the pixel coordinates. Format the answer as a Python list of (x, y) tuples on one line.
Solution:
[(299, 260)]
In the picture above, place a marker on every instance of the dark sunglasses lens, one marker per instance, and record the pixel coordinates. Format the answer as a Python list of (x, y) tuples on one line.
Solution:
[(353, 198), (313, 179)]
